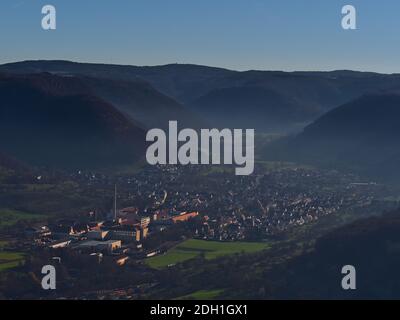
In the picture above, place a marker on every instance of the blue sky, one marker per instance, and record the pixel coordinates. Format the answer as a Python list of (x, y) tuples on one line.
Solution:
[(236, 34)]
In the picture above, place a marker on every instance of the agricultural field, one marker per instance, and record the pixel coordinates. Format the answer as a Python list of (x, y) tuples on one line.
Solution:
[(8, 217), (9, 260), (202, 295), (211, 249)]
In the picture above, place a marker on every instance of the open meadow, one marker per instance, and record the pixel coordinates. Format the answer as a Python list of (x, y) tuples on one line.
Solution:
[(192, 248)]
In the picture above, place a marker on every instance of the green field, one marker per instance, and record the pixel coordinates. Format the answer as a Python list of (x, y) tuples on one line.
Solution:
[(211, 249), (202, 295), (9, 217), (9, 260), (3, 244)]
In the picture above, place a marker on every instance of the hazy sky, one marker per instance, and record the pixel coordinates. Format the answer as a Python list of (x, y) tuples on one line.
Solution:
[(236, 34)]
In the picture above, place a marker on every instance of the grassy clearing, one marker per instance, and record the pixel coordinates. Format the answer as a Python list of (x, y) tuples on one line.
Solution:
[(3, 244), (9, 217), (211, 249), (202, 295), (9, 260)]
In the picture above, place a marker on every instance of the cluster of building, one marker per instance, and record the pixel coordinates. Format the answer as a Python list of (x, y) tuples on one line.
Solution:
[(120, 236), (263, 204), (276, 201), (233, 207)]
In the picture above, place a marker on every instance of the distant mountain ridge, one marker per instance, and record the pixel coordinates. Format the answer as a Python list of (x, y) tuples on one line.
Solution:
[(175, 80), (282, 101), (253, 107), (367, 118), (52, 121), (363, 135), (142, 103)]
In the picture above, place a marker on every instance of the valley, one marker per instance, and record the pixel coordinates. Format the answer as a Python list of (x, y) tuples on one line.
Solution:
[(76, 189)]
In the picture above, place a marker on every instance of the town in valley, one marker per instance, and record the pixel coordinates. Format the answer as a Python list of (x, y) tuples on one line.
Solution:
[(144, 217)]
